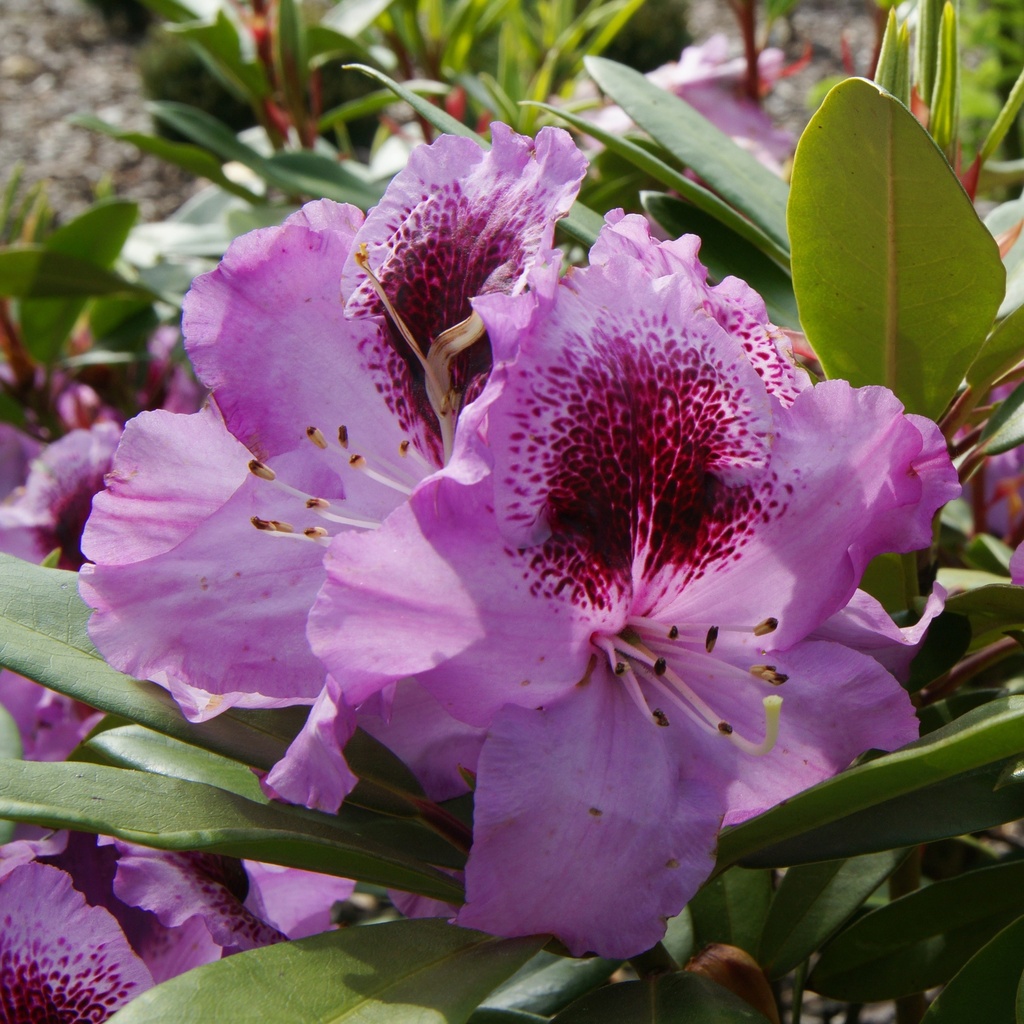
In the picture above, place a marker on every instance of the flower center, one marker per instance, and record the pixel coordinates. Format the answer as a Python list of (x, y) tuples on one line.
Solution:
[(651, 659), (443, 396)]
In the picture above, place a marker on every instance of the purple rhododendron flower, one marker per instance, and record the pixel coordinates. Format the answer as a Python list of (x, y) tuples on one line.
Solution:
[(61, 960), (326, 411), (620, 574)]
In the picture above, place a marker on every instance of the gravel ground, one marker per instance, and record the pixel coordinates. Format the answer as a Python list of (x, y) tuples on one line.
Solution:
[(57, 58)]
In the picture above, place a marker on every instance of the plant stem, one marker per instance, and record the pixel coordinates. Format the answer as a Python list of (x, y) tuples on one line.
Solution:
[(655, 962), (904, 880)]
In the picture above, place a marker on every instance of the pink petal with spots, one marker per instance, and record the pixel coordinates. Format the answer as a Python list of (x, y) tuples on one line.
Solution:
[(733, 303), (61, 960), (180, 886)]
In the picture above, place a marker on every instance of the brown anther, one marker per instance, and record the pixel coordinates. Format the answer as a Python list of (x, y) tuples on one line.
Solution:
[(316, 435), (673, 632), (279, 527), (769, 674), (767, 626), (315, 532), (356, 461), (711, 639), (260, 469), (318, 503), (620, 668), (403, 448), (725, 728), (343, 436), (262, 524), (660, 667), (660, 717)]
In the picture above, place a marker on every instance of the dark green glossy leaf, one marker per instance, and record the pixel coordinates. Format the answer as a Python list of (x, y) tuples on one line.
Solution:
[(989, 554), (897, 279), (670, 999), (732, 909), (43, 636), (33, 272), (985, 989), (990, 609), (729, 170), (946, 642), (548, 983), (922, 939), (205, 130), (928, 790), (172, 814), (220, 40), (134, 746), (724, 252), (401, 972), (935, 716), (317, 176), (701, 197), (813, 902), (191, 158), (1005, 428), (487, 1015)]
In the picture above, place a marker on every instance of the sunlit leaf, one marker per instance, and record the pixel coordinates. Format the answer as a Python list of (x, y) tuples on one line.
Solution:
[(896, 278), (401, 972), (937, 787), (173, 814)]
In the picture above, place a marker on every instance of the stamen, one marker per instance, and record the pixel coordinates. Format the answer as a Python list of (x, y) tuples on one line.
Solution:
[(315, 434), (711, 639), (343, 436), (769, 674), (272, 525), (625, 672), (315, 531), (725, 729), (660, 718), (765, 627), (673, 632), (438, 389), (260, 469), (360, 463)]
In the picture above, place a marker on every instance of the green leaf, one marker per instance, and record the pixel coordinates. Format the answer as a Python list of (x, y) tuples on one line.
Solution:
[(219, 41), (724, 252), (191, 158), (985, 989), (813, 902), (172, 814), (96, 236), (400, 972), (945, 643), (683, 998), (33, 272), (1002, 350), (549, 983), (727, 169), (43, 636), (922, 939), (930, 789), (1005, 428), (732, 909), (896, 279), (701, 197), (318, 176), (990, 609), (486, 1015), (944, 118), (134, 746)]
